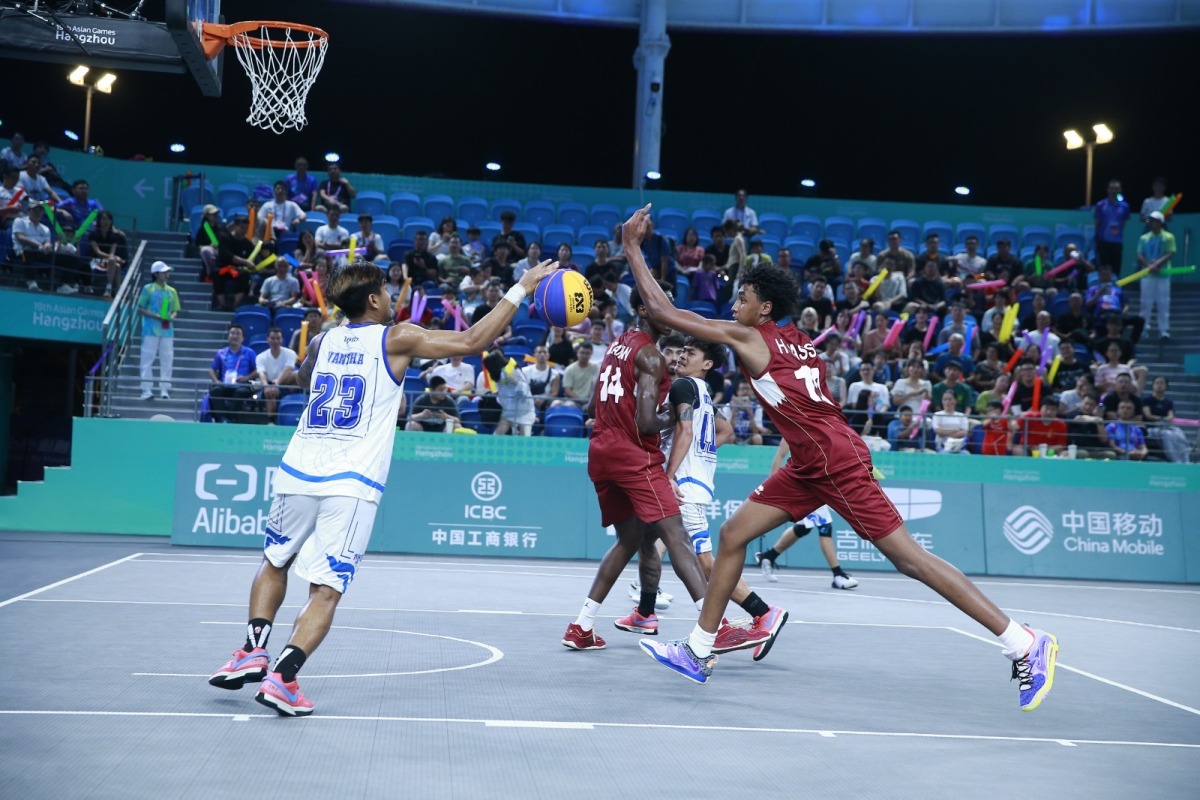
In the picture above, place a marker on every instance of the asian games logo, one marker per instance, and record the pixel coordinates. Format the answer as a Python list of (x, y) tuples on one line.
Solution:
[(486, 486), (1028, 530)]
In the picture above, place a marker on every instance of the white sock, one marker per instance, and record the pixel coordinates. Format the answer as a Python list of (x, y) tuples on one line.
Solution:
[(700, 604), (587, 617), (701, 641), (1016, 640)]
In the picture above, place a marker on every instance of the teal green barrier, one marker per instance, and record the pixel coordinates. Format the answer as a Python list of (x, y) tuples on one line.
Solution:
[(504, 496), (53, 317)]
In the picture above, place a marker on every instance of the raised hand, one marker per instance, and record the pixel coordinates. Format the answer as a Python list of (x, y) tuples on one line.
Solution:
[(634, 229), (533, 277)]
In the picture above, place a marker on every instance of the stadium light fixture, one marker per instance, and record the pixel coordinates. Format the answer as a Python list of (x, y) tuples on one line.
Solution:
[(332, 158), (492, 166), (178, 148), (77, 75), (653, 175), (104, 83), (962, 191), (1075, 141), (1104, 134), (808, 183), (72, 135)]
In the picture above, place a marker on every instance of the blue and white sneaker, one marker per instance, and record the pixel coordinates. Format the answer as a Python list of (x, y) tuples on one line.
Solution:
[(1035, 672), (678, 655)]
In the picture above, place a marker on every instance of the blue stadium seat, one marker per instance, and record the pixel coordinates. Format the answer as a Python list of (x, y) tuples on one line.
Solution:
[(802, 248), (257, 345), (670, 233), (563, 421), (807, 226), (966, 229), (675, 219), (397, 249), (487, 231), (554, 235), (254, 321), (539, 212), (629, 212), (231, 195), (229, 212), (1033, 235), (588, 235), (771, 245), (841, 228), (575, 215), (944, 231), (774, 225), (703, 308), (438, 206), (403, 205), (910, 233), (842, 249), (1060, 305), (1027, 253), (531, 232), (874, 229), (606, 216), (583, 257), (195, 220), (1069, 235), (998, 232), (312, 221), (414, 224), (288, 320), (414, 387), (290, 408), (373, 203), (387, 226), (472, 210), (191, 196), (705, 219), (534, 331), (287, 244), (683, 291), (502, 204)]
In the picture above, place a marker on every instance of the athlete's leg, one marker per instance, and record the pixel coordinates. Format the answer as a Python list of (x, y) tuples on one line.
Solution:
[(786, 540), (650, 564), (629, 541), (750, 521), (268, 589), (315, 618), (683, 556), (829, 551)]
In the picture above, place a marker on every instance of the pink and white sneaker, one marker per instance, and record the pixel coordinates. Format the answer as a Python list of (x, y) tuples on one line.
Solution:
[(244, 666), (283, 696)]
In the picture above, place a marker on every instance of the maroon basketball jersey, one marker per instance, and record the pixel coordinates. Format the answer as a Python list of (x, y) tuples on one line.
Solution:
[(616, 402), (792, 391)]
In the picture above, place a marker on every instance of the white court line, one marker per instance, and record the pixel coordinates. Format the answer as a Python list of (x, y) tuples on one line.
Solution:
[(385, 558), (875, 577), (56, 584), (1098, 678), (493, 723), (1008, 608), (378, 568)]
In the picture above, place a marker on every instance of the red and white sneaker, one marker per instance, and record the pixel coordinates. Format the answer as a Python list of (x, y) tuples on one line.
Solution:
[(730, 638), (577, 638), (770, 623), (244, 666), (636, 623), (285, 697)]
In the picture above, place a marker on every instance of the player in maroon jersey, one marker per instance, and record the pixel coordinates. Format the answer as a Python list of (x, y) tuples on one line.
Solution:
[(830, 464)]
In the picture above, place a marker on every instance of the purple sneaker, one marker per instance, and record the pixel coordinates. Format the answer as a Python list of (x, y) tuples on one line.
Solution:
[(1035, 672), (677, 655)]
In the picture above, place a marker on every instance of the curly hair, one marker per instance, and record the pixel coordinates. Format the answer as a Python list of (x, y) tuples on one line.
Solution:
[(773, 284)]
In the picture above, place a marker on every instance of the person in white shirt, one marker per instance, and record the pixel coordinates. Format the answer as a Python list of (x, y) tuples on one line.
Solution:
[(1035, 337), (459, 376), (35, 185), (1157, 200), (331, 235), (742, 214), (534, 254), (970, 263), (277, 369), (950, 427), (868, 399), (14, 156), (286, 215), (281, 289), (368, 238), (864, 255), (31, 244), (544, 378), (912, 388)]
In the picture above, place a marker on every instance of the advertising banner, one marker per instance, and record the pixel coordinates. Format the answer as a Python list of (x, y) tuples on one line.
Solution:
[(58, 318), (222, 499)]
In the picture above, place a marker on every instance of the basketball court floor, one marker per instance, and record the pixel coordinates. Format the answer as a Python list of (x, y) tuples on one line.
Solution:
[(446, 678)]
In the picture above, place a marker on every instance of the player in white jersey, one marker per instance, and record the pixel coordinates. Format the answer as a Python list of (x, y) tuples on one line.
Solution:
[(335, 468)]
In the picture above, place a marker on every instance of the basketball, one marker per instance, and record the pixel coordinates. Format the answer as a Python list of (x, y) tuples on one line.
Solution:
[(564, 298)]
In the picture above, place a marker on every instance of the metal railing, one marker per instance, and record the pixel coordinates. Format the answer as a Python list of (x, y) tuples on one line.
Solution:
[(118, 328)]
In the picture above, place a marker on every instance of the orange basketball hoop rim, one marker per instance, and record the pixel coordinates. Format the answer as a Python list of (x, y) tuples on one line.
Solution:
[(215, 36)]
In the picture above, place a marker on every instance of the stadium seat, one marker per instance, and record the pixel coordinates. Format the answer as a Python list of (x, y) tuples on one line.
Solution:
[(1027, 253), (290, 408), (674, 218), (703, 308), (771, 245), (1060, 305), (774, 225), (839, 228), (575, 215), (683, 291), (943, 229), (534, 331), (414, 387), (588, 235), (583, 257), (438, 206), (488, 230), (606, 216), (403, 205), (966, 229), (373, 203), (195, 220), (531, 232), (472, 210), (539, 213), (287, 243), (397, 249), (554, 235), (807, 226), (628, 212), (238, 210), (312, 221), (998, 232), (1033, 235), (414, 224), (254, 321), (387, 226), (910, 233), (1069, 235), (842, 249), (802, 249), (231, 195), (563, 421), (874, 229), (288, 320), (191, 196), (705, 219), (500, 205)]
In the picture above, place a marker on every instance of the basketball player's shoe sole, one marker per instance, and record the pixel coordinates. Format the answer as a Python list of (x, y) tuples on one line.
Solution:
[(577, 638), (244, 666), (678, 656), (1035, 672), (636, 623), (771, 623), (283, 696)]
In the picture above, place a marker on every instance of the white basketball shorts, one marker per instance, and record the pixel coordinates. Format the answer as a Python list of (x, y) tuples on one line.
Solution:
[(327, 535), (695, 522)]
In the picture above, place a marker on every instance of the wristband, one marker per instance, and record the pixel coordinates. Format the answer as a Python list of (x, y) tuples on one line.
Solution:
[(516, 294)]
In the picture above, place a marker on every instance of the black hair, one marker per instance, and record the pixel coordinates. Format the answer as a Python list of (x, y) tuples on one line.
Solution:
[(671, 340), (79, 182), (237, 325), (774, 285), (280, 183), (635, 297), (713, 351), (350, 287), (435, 381), (9, 171), (904, 408), (495, 363), (274, 329)]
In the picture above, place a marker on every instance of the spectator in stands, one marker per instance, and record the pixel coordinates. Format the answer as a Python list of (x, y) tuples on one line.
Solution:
[(783, 260), (809, 324), (368, 238), (997, 435), (1110, 216), (232, 372), (599, 340), (301, 186), (1086, 430), (456, 264), (1114, 331), (954, 355), (706, 283), (280, 290), (1107, 374), (1026, 378), (562, 351), (336, 191), (950, 427), (1160, 409), (912, 388), (286, 215), (1041, 426), (514, 239), (892, 293), (37, 189), (970, 264), (233, 265), (78, 207), (333, 235), (819, 301), (916, 352), (534, 255), (742, 214), (1070, 368), (745, 415), (458, 375), (208, 239), (474, 248), (900, 431), (917, 327), (14, 155), (957, 323), (825, 264), (1001, 301), (690, 253), (395, 281), (564, 254), (873, 339), (1004, 264), (996, 393), (719, 249), (865, 254), (306, 250), (1072, 398), (983, 376), (473, 288), (439, 240), (952, 384), (1028, 322), (1154, 251), (491, 297), (545, 380), (276, 367), (905, 260), (1121, 389), (851, 298), (31, 244), (1041, 335), (513, 393), (928, 290), (601, 263), (1157, 201), (420, 264), (12, 197), (1124, 436), (48, 170), (434, 411), (313, 317), (579, 378), (657, 251), (108, 253), (1074, 324), (867, 402), (933, 254), (158, 305)]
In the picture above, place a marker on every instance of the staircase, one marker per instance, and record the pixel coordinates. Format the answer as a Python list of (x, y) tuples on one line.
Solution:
[(1166, 357), (199, 333)]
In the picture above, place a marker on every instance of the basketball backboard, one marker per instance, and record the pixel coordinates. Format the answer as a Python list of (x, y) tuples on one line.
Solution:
[(185, 20)]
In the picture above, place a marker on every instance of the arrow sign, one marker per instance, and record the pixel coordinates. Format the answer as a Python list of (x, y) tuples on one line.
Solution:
[(141, 188)]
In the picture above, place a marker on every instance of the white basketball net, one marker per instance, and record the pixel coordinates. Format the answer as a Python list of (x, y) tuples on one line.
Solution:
[(280, 74)]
